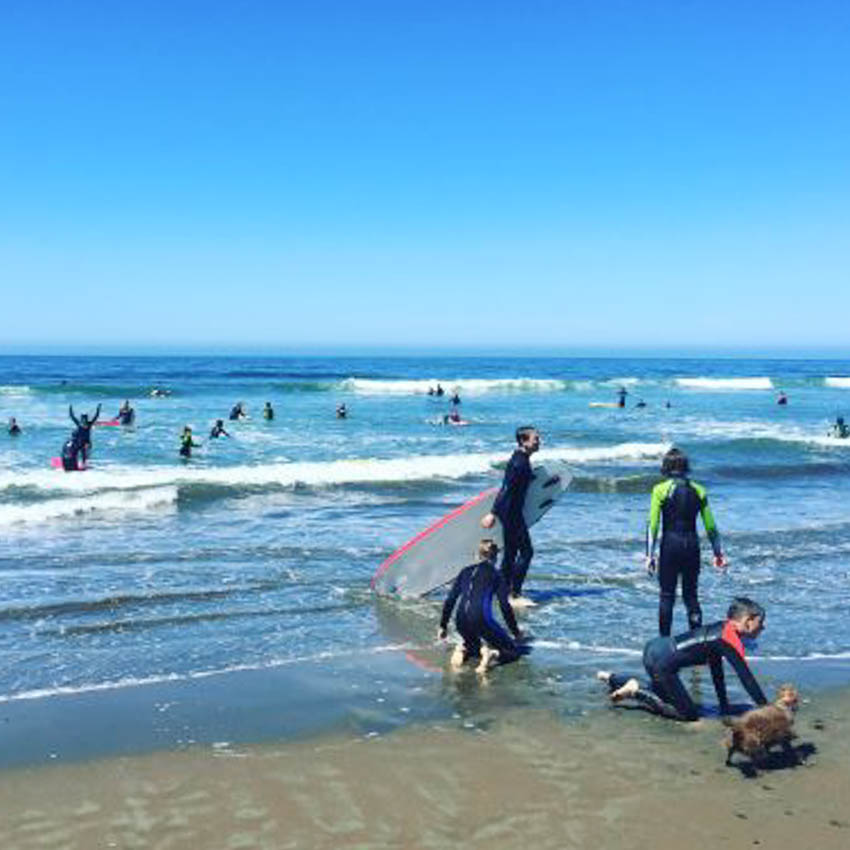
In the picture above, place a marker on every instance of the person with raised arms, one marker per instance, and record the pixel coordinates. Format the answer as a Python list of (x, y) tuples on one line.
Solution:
[(82, 436), (507, 509)]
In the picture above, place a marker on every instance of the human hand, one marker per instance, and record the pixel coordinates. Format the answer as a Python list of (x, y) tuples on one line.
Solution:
[(650, 565), (441, 633), (488, 520), (720, 561)]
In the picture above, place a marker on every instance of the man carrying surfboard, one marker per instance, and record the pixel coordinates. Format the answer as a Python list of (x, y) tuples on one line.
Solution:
[(507, 508)]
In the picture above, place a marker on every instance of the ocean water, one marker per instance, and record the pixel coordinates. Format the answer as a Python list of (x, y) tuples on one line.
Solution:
[(258, 552)]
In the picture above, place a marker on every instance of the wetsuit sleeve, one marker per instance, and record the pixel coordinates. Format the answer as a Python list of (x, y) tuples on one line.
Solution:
[(451, 600), (719, 679), (71, 414), (504, 503), (505, 605), (653, 526), (751, 686), (708, 518), (96, 416)]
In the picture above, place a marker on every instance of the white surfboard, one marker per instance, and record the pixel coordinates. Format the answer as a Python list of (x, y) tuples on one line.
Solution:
[(437, 554)]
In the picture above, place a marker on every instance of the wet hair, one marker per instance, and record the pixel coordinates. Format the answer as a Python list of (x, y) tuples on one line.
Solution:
[(743, 607), (675, 462), (523, 432), (488, 549)]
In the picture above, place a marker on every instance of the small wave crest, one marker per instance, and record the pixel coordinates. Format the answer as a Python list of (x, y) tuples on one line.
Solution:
[(310, 474), (470, 386), (725, 383), (109, 502), (840, 383)]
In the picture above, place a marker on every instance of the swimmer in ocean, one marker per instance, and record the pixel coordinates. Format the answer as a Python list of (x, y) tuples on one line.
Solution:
[(126, 414), (218, 430), (82, 436), (238, 412), (14, 428), (676, 502), (268, 412), (621, 397), (507, 509), (482, 636), (187, 443), (664, 657), (341, 412), (840, 429)]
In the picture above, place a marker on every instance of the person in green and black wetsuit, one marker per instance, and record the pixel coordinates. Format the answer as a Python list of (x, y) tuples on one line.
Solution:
[(187, 443), (676, 501)]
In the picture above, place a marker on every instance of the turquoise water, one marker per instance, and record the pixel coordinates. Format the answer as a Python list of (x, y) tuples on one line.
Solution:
[(258, 552)]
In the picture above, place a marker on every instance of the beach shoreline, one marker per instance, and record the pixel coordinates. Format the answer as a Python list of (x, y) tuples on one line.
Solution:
[(611, 778)]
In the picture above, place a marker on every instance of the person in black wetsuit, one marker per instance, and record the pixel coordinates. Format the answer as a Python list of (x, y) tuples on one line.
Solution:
[(14, 428), (126, 414), (187, 443), (268, 412), (474, 588), (70, 454), (341, 412), (218, 430), (621, 396), (82, 436), (508, 509), (237, 412), (676, 502), (664, 657)]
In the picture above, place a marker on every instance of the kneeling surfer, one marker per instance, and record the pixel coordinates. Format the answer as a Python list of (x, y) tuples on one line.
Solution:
[(474, 589)]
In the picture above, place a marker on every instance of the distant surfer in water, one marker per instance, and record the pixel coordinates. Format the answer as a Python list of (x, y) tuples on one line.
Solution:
[(341, 412), (82, 436), (676, 502), (508, 510), (238, 412), (218, 430), (839, 429), (126, 414), (14, 428), (782, 398), (664, 657), (187, 443), (621, 396), (455, 398), (268, 412), (482, 636)]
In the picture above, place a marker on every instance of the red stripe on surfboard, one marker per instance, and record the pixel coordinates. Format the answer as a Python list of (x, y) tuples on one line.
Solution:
[(430, 530)]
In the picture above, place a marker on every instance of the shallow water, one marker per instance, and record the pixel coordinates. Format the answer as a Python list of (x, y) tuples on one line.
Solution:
[(258, 551)]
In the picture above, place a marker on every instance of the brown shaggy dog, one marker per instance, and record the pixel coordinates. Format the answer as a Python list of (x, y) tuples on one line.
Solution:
[(754, 732)]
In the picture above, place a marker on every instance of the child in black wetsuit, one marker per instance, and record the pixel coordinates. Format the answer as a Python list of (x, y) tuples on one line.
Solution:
[(483, 637), (664, 657)]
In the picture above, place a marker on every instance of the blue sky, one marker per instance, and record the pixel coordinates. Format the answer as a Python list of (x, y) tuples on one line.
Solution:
[(508, 174)]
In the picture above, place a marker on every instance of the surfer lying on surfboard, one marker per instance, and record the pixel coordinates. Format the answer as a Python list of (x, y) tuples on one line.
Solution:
[(481, 635)]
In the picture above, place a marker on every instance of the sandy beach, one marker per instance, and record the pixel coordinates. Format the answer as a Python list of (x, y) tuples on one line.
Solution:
[(613, 778)]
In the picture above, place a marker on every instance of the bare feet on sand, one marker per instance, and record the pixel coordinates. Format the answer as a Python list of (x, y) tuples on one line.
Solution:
[(628, 690), (489, 657), (522, 602)]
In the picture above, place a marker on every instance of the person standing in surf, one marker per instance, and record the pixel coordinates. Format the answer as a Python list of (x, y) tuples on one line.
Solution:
[(674, 506), (82, 436), (507, 508)]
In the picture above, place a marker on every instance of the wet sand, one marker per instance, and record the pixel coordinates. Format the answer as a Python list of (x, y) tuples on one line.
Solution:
[(614, 778)]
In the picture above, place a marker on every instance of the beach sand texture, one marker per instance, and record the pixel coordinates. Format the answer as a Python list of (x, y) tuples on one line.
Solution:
[(616, 779)]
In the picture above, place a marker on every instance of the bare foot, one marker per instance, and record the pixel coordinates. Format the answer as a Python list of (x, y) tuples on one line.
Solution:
[(522, 602), (458, 657), (628, 690), (489, 657)]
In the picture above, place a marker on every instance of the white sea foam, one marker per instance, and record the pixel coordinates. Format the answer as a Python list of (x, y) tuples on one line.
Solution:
[(142, 681), (725, 383), (469, 386), (318, 474), (15, 389), (840, 383), (108, 502), (755, 430)]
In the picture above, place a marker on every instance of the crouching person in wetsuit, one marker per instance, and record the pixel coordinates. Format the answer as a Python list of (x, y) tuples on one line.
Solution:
[(664, 657), (676, 502), (473, 591), (508, 508), (70, 453)]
